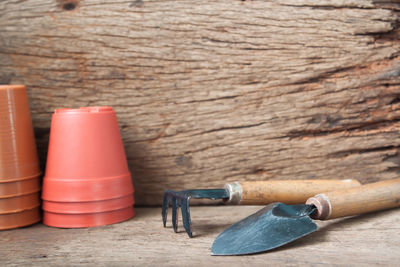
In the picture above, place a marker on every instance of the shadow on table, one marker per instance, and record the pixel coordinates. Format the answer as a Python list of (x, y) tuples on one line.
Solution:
[(201, 229), (141, 212), (209, 229)]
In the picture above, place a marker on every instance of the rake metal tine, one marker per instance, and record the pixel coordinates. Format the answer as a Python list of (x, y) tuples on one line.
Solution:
[(186, 216), (181, 199), (165, 207), (175, 206)]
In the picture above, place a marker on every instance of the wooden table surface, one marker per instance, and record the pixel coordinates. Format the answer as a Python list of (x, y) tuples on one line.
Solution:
[(372, 239)]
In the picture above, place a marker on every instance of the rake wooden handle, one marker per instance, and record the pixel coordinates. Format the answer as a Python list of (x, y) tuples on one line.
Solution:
[(286, 191), (363, 199)]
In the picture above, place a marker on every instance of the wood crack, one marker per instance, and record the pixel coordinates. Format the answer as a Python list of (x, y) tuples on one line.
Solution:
[(347, 128), (232, 128), (345, 153)]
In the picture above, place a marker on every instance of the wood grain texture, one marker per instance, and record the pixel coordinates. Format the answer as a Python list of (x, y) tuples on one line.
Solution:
[(367, 198), (289, 191), (367, 240), (218, 91)]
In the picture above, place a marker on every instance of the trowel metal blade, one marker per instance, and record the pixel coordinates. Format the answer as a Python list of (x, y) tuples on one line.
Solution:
[(271, 227)]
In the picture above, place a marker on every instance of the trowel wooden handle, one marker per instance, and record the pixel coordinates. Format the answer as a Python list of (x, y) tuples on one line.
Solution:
[(366, 198), (286, 191)]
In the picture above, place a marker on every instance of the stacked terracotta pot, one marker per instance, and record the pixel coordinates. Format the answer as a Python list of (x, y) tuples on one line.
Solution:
[(19, 165), (87, 181)]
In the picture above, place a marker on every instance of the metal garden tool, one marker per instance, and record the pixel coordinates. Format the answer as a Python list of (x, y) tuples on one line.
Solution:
[(249, 193), (278, 224)]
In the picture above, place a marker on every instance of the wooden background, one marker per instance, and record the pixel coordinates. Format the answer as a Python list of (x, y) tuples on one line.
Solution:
[(209, 92)]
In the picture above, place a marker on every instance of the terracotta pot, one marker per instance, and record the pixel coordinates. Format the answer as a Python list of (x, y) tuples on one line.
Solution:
[(18, 155), (88, 207), (85, 143), (19, 203), (19, 219), (84, 190), (86, 159), (18, 188), (88, 219)]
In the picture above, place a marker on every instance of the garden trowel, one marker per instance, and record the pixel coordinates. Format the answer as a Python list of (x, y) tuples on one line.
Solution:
[(278, 224)]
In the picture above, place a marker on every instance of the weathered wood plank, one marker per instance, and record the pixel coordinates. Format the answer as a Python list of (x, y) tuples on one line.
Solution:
[(365, 240), (218, 91)]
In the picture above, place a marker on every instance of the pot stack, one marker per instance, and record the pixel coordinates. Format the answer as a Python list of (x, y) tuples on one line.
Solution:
[(87, 181), (19, 165)]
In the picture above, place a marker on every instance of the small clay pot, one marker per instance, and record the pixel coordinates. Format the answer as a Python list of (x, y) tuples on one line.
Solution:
[(86, 159), (18, 155), (85, 143), (19, 203), (88, 207), (19, 188), (19, 219), (62, 220), (85, 190)]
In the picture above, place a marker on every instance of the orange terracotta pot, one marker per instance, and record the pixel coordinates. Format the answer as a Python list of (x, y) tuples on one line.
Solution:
[(85, 143), (19, 219), (18, 155), (18, 188), (88, 207), (19, 203), (87, 220), (86, 159), (85, 190)]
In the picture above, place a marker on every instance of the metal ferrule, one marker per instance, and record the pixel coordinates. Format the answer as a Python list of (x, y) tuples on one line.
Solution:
[(323, 205), (235, 193)]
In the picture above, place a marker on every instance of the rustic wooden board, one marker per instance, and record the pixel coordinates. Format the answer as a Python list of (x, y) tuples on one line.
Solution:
[(216, 91), (359, 241)]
